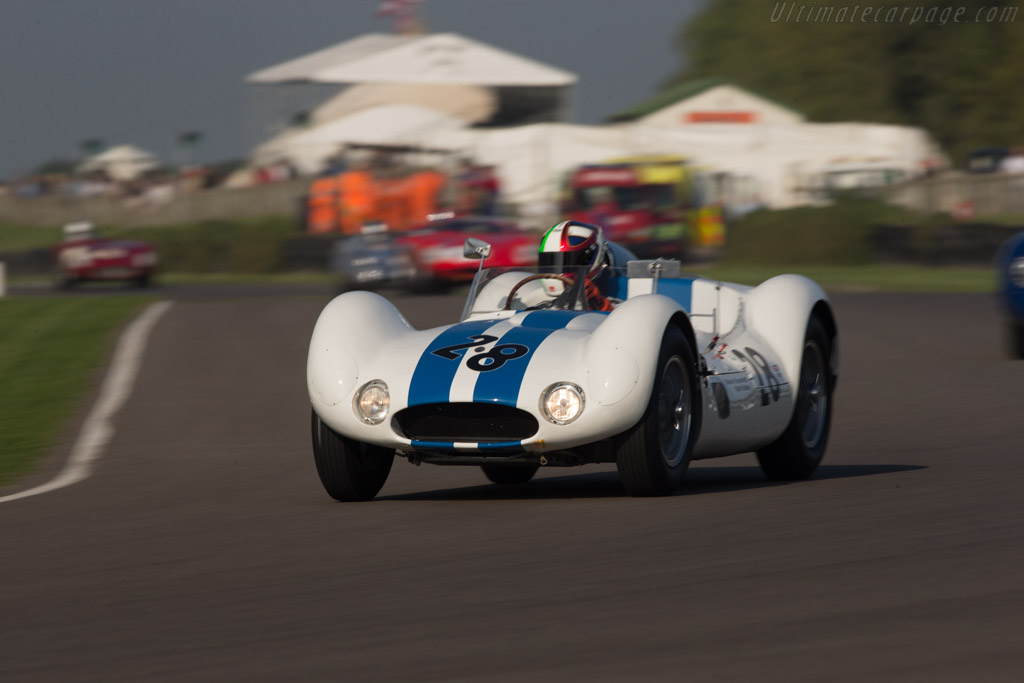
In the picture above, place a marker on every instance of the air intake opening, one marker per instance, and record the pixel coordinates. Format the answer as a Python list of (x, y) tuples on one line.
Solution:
[(472, 422)]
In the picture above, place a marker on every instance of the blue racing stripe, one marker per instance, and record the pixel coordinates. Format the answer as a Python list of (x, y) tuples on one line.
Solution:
[(679, 290), (450, 445), (551, 320), (617, 287), (427, 445), (432, 378), (501, 385), (500, 444)]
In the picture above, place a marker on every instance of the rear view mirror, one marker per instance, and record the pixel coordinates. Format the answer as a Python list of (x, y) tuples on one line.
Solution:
[(475, 248)]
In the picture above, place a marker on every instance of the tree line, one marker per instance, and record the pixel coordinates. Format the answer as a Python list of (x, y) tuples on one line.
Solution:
[(955, 70)]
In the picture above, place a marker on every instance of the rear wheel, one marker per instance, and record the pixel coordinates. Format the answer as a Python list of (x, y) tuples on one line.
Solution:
[(509, 474), (796, 454), (652, 457), (349, 470)]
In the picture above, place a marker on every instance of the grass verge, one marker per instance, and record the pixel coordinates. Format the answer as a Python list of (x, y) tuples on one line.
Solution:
[(50, 350), (868, 278), (235, 246), (17, 237)]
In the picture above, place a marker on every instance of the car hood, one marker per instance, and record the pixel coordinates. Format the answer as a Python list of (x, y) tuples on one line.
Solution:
[(486, 360)]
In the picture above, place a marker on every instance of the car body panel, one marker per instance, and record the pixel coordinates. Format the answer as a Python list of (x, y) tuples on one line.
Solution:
[(437, 246), (1010, 270)]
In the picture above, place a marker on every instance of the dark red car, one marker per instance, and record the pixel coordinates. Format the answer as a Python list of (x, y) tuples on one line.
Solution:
[(437, 246), (83, 257)]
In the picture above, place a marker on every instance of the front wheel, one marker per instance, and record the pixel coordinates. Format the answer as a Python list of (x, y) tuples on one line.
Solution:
[(349, 470), (652, 457), (509, 474), (796, 454)]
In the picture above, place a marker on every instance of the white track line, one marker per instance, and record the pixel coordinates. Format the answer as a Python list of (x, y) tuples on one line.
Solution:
[(98, 428)]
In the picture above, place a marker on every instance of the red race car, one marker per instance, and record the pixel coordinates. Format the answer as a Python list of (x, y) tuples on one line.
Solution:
[(83, 256), (437, 246)]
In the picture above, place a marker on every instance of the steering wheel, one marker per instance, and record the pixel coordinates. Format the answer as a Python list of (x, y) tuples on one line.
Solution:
[(599, 302), (568, 281)]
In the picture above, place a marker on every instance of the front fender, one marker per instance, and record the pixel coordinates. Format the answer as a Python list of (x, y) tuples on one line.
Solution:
[(349, 328), (621, 355)]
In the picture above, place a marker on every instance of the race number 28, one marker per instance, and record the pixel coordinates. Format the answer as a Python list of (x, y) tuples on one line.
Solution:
[(484, 361)]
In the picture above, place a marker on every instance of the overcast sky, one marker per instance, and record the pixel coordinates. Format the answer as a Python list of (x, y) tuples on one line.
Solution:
[(143, 71)]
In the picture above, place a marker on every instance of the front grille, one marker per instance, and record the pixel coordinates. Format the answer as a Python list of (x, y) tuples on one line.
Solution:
[(473, 422)]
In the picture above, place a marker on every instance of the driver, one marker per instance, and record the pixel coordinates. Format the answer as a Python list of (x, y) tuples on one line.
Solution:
[(572, 246)]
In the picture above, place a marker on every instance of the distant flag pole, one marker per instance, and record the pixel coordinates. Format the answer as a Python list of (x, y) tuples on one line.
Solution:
[(402, 14)]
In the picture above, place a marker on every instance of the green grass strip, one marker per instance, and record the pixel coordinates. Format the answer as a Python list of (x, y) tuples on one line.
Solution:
[(50, 350), (869, 278)]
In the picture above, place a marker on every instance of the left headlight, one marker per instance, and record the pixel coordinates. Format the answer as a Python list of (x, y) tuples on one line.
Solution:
[(373, 402), (1017, 272), (562, 403)]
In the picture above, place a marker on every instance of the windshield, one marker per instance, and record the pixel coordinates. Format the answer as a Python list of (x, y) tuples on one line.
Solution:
[(531, 288)]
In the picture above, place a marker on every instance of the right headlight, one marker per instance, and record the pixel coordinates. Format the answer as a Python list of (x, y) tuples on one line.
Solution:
[(373, 402), (562, 403), (1017, 272)]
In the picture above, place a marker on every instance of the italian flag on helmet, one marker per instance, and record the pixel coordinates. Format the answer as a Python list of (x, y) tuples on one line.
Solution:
[(571, 244)]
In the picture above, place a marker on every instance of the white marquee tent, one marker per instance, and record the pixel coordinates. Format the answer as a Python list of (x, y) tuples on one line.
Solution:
[(532, 160), (437, 58), (780, 160)]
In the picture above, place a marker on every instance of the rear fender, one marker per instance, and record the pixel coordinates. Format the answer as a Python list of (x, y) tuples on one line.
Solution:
[(780, 310)]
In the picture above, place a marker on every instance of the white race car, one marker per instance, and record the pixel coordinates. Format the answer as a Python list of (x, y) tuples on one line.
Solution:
[(532, 376)]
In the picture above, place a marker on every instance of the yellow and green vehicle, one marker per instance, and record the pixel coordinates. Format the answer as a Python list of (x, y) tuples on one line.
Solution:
[(653, 205)]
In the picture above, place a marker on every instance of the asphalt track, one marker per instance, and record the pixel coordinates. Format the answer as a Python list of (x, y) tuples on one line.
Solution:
[(203, 547)]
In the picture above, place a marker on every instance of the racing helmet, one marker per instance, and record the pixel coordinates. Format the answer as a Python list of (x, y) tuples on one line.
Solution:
[(571, 244)]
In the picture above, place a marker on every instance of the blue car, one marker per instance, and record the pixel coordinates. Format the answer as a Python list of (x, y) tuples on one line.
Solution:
[(1010, 264), (372, 260)]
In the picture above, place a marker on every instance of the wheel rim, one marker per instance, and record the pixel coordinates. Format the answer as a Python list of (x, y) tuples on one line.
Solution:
[(674, 412), (813, 402)]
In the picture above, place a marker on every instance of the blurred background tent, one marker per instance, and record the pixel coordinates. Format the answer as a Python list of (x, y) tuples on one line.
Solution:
[(123, 162), (385, 124), (517, 89)]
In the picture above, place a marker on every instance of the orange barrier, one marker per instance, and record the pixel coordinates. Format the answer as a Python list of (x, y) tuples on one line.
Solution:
[(344, 202)]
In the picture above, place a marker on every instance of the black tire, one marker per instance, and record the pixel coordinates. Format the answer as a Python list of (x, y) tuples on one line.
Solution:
[(142, 281), (349, 470), (509, 474), (798, 451), (652, 457), (1016, 340)]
